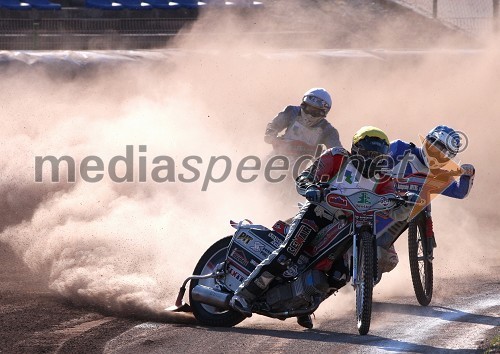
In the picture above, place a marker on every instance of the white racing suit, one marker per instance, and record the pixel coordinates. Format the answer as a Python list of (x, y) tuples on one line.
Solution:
[(296, 130)]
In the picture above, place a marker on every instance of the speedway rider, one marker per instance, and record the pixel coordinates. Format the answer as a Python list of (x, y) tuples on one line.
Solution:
[(439, 146), (306, 126), (340, 169)]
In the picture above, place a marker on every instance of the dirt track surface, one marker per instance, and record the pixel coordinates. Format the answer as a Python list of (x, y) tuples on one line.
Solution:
[(33, 320)]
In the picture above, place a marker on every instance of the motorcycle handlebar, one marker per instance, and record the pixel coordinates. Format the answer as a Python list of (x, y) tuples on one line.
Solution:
[(401, 200), (405, 201)]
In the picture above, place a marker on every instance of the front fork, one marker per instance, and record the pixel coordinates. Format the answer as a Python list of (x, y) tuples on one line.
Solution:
[(429, 234), (354, 259), (354, 279)]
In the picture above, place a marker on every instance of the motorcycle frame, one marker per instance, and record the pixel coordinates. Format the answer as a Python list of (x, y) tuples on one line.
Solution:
[(348, 238)]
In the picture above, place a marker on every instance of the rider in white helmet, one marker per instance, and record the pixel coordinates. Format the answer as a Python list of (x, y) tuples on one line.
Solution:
[(305, 124)]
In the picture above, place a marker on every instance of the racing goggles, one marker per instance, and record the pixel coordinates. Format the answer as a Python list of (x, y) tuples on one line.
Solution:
[(313, 111), (441, 147)]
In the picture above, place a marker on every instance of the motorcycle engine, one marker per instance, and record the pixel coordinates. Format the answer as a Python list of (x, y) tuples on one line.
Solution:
[(299, 293)]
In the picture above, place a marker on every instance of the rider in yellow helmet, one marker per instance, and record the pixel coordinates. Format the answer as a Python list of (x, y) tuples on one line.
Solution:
[(340, 169)]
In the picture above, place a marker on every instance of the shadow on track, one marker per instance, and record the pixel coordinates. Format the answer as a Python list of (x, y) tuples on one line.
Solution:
[(315, 335), (444, 313)]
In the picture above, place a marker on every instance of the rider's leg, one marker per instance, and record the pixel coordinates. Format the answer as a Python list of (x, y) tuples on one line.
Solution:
[(283, 261), (339, 273), (386, 252)]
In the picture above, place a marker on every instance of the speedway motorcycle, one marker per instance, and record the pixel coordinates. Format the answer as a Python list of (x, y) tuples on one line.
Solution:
[(295, 148), (347, 246)]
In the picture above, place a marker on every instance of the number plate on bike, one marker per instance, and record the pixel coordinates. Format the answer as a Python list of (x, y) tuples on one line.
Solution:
[(248, 248)]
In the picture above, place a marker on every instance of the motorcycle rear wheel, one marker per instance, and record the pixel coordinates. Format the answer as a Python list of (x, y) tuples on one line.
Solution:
[(420, 263), (207, 314), (364, 286)]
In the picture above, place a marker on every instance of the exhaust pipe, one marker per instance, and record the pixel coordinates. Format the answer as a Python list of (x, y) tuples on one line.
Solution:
[(210, 296)]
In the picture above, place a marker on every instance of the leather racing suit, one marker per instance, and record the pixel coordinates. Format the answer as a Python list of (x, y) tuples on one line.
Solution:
[(333, 166), (409, 160), (310, 137)]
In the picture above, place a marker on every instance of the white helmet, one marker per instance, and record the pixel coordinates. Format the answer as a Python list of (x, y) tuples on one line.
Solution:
[(316, 104), (319, 98)]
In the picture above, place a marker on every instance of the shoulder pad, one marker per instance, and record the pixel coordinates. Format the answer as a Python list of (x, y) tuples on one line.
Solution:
[(338, 151), (396, 145), (290, 109)]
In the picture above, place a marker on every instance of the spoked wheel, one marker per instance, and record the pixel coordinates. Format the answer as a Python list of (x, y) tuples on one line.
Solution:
[(207, 314), (420, 261), (364, 286)]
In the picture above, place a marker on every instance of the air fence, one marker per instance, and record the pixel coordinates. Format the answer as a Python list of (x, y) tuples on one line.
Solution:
[(83, 28), (89, 33), (472, 16)]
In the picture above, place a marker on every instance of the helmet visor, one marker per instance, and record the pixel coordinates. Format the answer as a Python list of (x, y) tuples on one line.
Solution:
[(442, 148), (371, 147)]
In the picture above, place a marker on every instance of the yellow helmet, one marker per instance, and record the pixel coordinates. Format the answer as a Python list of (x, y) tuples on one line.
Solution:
[(369, 145), (369, 131)]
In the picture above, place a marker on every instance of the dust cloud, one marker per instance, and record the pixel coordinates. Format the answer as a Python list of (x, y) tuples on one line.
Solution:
[(127, 247)]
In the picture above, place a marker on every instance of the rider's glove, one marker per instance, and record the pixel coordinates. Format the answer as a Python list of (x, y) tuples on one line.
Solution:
[(468, 170), (270, 136), (411, 197), (314, 194), (403, 211)]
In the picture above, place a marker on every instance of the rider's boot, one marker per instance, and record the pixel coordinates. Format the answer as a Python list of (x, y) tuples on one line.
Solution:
[(305, 321), (242, 302), (387, 258)]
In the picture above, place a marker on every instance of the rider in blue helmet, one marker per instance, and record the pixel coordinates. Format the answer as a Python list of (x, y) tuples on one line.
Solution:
[(439, 147)]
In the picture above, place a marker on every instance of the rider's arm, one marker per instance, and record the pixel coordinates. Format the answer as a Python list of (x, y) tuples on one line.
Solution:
[(330, 136), (322, 170), (385, 185), (330, 163), (280, 122), (459, 189), (306, 178)]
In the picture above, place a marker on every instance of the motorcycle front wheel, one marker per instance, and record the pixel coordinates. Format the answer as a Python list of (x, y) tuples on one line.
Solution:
[(207, 314), (364, 282), (420, 261)]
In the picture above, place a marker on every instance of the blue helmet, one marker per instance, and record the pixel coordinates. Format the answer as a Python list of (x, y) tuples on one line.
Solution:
[(445, 139)]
